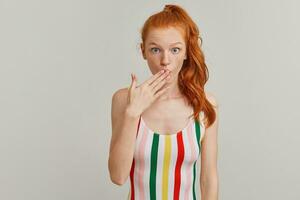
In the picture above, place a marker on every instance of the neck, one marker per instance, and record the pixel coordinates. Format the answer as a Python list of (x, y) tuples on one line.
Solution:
[(172, 93)]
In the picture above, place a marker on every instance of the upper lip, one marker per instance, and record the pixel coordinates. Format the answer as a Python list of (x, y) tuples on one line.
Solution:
[(166, 68)]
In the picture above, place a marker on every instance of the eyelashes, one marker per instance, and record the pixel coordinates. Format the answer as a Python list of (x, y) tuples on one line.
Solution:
[(155, 48)]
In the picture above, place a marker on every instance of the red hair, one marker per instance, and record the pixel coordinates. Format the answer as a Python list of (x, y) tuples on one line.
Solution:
[(194, 73)]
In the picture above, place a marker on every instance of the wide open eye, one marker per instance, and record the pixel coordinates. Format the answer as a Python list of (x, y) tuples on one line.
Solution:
[(176, 50), (153, 50)]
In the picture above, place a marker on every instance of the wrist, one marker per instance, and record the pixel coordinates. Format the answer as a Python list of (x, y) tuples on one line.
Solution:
[(132, 112)]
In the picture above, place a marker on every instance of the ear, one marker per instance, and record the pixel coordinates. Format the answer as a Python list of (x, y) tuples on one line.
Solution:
[(143, 50)]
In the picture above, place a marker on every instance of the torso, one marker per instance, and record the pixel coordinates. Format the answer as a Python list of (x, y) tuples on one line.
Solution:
[(165, 162)]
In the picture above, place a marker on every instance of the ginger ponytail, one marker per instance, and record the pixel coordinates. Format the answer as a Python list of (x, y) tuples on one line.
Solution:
[(194, 72)]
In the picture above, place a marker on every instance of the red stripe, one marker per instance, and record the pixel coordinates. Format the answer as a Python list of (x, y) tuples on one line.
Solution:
[(131, 180), (179, 161), (132, 167), (138, 126)]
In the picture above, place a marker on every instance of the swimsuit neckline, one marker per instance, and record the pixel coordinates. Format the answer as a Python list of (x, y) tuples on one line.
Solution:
[(191, 120)]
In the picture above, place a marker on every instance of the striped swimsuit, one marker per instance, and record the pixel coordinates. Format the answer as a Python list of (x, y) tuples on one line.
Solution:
[(165, 166)]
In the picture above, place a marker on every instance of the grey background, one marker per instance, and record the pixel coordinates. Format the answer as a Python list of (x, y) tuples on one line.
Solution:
[(62, 60)]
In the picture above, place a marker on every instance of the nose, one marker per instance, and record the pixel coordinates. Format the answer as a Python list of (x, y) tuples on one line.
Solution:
[(165, 60)]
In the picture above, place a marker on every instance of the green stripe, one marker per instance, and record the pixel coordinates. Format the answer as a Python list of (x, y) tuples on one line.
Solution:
[(154, 151), (198, 135), (194, 192)]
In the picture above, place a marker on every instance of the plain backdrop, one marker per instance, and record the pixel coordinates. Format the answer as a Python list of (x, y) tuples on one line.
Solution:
[(61, 61)]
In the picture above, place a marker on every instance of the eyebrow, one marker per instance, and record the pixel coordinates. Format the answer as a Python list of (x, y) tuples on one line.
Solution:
[(171, 44)]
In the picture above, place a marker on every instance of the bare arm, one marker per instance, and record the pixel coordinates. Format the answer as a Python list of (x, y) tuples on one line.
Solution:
[(127, 106), (124, 122), (209, 173)]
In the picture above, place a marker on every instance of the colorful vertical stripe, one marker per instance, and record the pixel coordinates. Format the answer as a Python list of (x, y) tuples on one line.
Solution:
[(165, 166), (133, 166)]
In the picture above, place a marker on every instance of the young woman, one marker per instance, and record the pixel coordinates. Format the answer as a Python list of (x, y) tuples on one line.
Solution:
[(162, 127)]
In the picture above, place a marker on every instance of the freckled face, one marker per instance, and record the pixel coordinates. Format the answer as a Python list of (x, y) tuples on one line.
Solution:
[(164, 48)]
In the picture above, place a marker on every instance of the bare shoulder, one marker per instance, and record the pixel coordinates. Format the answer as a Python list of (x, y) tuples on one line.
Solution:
[(214, 101), (118, 106), (119, 99), (211, 98), (120, 93)]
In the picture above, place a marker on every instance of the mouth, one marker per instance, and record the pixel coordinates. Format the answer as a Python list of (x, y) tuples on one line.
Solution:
[(167, 69)]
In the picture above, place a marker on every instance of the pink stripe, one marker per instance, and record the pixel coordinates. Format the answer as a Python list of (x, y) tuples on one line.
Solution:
[(189, 169), (132, 167), (141, 156)]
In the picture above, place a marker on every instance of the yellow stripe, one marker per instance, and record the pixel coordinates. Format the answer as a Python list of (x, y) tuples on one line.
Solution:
[(167, 157)]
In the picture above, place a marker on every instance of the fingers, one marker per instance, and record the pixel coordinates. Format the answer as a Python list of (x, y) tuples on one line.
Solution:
[(160, 92), (160, 81), (133, 82), (154, 77)]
